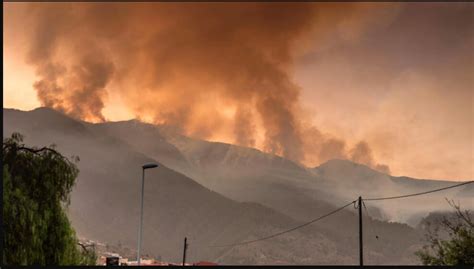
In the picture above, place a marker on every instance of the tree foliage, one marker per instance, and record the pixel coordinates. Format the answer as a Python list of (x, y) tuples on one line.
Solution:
[(36, 188), (458, 249)]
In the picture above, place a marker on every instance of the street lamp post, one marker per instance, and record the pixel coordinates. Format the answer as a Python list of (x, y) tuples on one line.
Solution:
[(144, 167)]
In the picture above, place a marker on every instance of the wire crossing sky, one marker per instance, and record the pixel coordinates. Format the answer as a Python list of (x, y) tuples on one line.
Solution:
[(416, 194)]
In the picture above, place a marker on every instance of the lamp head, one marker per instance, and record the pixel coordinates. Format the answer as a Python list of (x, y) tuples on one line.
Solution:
[(149, 165)]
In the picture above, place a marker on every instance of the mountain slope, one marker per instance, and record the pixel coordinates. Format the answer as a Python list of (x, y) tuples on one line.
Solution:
[(240, 173), (348, 179), (246, 174), (105, 201), (138, 135)]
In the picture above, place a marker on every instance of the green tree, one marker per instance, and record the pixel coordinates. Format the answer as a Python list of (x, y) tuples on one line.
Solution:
[(458, 249), (36, 189)]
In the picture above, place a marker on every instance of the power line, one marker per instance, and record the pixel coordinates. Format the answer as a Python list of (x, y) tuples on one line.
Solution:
[(287, 231), (420, 193), (335, 211)]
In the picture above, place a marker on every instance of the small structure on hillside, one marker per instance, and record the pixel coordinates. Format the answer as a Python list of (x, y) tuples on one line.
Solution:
[(205, 263)]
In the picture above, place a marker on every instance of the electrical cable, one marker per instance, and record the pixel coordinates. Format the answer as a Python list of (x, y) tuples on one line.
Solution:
[(337, 210), (420, 193), (287, 231)]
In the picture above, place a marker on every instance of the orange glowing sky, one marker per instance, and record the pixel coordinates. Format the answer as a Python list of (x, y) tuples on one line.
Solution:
[(402, 81)]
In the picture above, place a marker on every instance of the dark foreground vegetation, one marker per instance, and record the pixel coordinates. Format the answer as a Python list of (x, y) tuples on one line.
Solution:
[(450, 238), (36, 188)]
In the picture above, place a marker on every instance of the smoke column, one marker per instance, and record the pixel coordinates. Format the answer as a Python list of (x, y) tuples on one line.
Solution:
[(204, 68)]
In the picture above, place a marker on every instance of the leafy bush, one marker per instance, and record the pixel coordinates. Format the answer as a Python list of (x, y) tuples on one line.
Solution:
[(458, 249)]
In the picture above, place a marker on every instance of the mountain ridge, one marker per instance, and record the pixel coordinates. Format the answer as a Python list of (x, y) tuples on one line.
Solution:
[(268, 198), (138, 122)]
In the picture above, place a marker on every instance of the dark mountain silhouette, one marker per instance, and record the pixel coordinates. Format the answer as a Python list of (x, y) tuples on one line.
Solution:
[(189, 195)]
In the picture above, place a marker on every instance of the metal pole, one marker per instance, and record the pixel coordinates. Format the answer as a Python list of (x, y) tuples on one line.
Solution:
[(185, 249), (361, 247), (141, 219)]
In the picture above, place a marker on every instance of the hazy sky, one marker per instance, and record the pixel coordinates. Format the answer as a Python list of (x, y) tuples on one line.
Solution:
[(397, 76)]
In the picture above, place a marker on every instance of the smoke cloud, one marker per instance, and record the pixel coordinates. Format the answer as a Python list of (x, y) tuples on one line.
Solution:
[(202, 68), (361, 153)]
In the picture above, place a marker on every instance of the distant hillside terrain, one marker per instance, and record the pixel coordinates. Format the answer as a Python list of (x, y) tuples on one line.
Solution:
[(247, 174), (216, 193), (348, 179)]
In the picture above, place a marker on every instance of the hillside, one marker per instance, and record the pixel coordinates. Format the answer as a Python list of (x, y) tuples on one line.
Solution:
[(276, 194), (247, 174), (242, 174), (105, 200), (348, 179)]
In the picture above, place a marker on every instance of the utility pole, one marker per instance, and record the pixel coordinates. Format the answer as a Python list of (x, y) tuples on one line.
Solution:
[(361, 246), (184, 250)]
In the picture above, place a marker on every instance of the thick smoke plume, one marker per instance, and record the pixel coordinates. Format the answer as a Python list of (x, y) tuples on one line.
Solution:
[(77, 89), (361, 153), (203, 68)]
